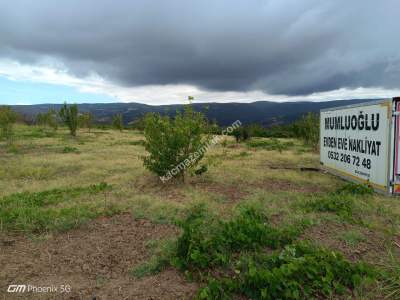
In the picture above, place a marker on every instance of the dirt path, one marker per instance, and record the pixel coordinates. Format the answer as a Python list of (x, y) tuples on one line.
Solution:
[(94, 261)]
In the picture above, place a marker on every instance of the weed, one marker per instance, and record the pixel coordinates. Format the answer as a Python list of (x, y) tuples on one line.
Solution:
[(162, 254), (390, 284), (68, 149), (355, 189), (341, 204), (343, 201), (208, 242), (352, 237)]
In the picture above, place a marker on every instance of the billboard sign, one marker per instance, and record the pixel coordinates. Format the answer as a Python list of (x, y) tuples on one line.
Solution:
[(355, 142)]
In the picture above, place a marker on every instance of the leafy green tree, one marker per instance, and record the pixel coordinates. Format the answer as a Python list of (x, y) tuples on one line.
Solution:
[(86, 120), (69, 115), (175, 145), (7, 119), (307, 128), (118, 122)]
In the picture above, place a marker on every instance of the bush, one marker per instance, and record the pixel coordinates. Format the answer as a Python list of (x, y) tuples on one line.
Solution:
[(7, 119), (69, 115), (356, 189), (342, 201), (118, 122), (86, 121), (340, 204), (208, 242), (307, 128), (241, 134), (68, 149), (174, 145), (47, 119), (300, 271)]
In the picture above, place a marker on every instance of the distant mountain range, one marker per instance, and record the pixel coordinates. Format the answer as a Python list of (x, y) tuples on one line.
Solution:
[(266, 113)]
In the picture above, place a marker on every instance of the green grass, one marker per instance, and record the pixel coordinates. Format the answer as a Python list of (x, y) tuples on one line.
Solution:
[(390, 283), (352, 237), (270, 144), (162, 254), (45, 211), (68, 149)]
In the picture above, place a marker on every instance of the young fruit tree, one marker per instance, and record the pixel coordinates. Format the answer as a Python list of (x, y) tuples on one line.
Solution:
[(175, 145), (7, 119), (85, 120), (47, 119), (118, 122), (69, 115), (307, 128)]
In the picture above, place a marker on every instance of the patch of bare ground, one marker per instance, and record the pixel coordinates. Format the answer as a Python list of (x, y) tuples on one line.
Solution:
[(372, 248), (94, 260), (274, 185), (232, 193), (170, 190)]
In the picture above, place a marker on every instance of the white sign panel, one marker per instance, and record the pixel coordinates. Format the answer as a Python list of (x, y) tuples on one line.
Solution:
[(355, 141)]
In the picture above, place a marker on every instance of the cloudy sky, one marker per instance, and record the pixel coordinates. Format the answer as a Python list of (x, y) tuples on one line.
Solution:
[(158, 52)]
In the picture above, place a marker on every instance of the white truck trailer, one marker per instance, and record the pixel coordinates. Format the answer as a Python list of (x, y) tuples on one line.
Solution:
[(361, 143)]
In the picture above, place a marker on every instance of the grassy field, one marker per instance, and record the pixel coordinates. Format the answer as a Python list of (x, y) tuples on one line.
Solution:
[(84, 212)]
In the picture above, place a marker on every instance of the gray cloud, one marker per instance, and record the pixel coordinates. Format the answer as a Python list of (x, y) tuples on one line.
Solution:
[(292, 47)]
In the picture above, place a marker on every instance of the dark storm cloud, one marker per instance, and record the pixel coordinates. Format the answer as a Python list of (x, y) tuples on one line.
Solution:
[(288, 47)]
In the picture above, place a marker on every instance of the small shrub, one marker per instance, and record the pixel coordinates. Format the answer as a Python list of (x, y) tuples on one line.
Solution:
[(47, 119), (207, 242), (174, 145), (352, 237), (200, 171), (307, 128), (7, 119), (85, 120), (356, 189), (341, 204), (300, 271), (118, 122), (241, 134), (69, 115), (68, 149)]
